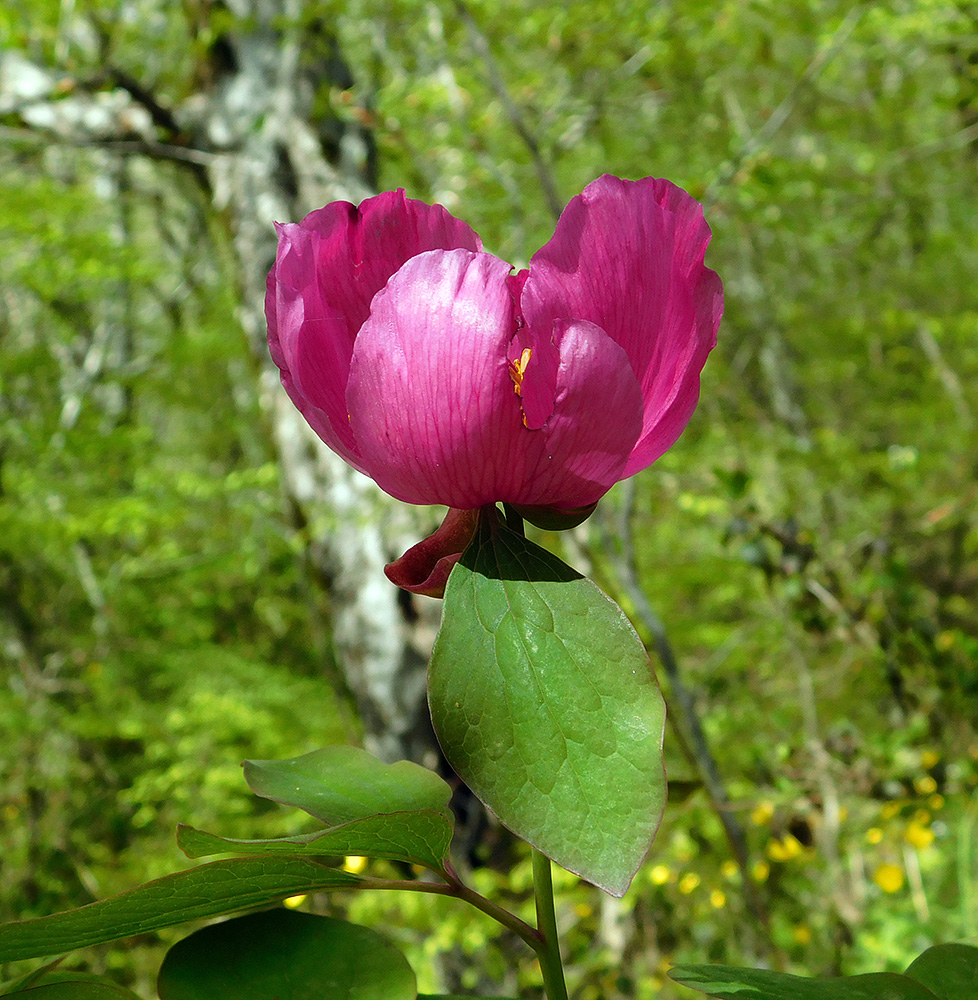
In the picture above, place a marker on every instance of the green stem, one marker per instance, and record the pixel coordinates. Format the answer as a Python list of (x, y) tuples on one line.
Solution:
[(542, 938), (549, 949), (459, 890)]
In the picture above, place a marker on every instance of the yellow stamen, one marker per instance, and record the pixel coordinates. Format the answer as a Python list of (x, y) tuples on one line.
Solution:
[(517, 369)]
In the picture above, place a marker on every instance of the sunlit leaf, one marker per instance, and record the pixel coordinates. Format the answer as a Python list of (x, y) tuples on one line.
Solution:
[(420, 838), (206, 891), (544, 701), (341, 784)]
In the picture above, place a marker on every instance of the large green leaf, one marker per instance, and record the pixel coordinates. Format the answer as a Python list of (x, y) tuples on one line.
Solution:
[(729, 983), (950, 971), (420, 838), (342, 784), (206, 891), (283, 955), (544, 701)]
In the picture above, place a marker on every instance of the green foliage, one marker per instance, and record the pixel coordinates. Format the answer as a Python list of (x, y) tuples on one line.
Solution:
[(555, 720)]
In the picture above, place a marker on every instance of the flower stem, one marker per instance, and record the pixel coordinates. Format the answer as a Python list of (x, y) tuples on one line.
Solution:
[(549, 950)]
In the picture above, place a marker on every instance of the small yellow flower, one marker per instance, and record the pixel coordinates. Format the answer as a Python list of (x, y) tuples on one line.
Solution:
[(659, 875), (935, 802), (354, 864), (890, 809), (785, 849), (944, 641), (762, 814), (760, 871), (925, 785), (918, 835), (888, 877), (688, 883), (929, 758), (718, 899), (729, 868), (293, 901), (802, 934), (874, 835), (583, 910)]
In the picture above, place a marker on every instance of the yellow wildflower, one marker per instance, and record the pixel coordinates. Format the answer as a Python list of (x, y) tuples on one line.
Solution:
[(659, 875), (888, 877)]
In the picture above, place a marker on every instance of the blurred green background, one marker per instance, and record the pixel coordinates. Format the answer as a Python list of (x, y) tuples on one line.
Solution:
[(811, 543)]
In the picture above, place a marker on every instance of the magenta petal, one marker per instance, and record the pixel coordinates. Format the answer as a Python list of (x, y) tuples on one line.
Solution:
[(301, 339), (328, 269), (424, 568), (582, 450), (628, 256), (430, 397)]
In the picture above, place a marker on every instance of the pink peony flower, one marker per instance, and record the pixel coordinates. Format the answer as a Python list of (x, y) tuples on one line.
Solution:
[(432, 368)]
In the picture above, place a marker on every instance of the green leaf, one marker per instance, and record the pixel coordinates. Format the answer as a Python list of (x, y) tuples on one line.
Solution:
[(75, 990), (729, 983), (206, 891), (64, 985), (342, 784), (283, 955), (544, 701), (420, 838), (950, 971)]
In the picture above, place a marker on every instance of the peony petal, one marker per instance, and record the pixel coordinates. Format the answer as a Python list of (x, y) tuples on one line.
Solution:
[(628, 256), (582, 449), (328, 269), (295, 311), (425, 567), (430, 391)]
